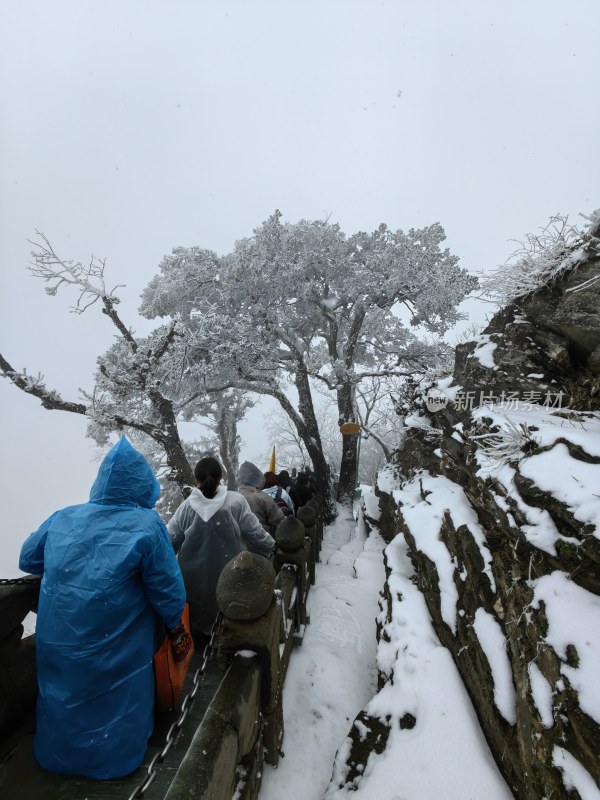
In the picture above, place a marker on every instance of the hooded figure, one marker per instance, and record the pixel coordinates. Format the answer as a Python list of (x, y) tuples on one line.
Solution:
[(275, 488), (303, 490), (208, 529), (251, 482), (108, 569)]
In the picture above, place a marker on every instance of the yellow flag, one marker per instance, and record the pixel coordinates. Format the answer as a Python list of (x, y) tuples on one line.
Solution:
[(271, 467)]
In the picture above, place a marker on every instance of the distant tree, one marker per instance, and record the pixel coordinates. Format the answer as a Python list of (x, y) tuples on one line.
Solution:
[(376, 410), (310, 303), (227, 409), (290, 449)]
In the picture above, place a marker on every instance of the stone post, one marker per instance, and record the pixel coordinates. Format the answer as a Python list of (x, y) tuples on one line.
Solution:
[(308, 517), (252, 625), (316, 503), (294, 547)]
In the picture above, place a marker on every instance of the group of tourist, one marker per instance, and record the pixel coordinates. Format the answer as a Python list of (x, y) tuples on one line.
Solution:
[(110, 570)]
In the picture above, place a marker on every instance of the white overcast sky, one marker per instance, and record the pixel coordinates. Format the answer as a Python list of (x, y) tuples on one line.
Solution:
[(129, 127)]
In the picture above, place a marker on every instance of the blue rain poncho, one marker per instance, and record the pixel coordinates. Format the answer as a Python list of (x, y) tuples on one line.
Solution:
[(108, 569)]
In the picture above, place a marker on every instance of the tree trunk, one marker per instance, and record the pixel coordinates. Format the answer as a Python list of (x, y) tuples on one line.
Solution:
[(168, 437), (229, 445), (311, 437), (305, 422), (347, 483), (183, 474)]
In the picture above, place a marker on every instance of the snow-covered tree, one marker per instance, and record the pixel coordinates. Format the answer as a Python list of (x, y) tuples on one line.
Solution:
[(144, 385), (306, 302), (227, 409)]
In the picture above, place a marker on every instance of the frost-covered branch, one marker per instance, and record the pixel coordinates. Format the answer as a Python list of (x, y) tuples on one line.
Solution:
[(56, 272), (37, 387), (541, 259), (384, 373), (109, 309)]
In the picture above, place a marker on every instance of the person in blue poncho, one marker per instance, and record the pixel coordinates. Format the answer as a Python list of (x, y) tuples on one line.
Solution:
[(108, 569)]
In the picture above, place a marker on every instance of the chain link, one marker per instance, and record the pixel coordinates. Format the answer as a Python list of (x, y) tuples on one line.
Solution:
[(175, 729), (18, 581)]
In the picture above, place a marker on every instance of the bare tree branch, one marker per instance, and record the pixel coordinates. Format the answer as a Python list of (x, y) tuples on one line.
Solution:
[(56, 272)]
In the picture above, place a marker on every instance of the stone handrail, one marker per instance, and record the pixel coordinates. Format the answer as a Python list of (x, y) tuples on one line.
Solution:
[(18, 683)]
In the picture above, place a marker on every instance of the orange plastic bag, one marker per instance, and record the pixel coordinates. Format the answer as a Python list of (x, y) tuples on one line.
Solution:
[(170, 674)]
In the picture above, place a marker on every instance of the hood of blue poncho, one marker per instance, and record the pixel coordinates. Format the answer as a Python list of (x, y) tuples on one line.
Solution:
[(125, 478)]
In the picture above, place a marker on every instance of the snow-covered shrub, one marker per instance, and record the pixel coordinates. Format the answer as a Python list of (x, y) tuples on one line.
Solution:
[(508, 444), (583, 392), (543, 258)]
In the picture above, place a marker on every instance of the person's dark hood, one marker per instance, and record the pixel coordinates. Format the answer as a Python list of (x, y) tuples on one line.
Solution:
[(125, 478), (249, 475)]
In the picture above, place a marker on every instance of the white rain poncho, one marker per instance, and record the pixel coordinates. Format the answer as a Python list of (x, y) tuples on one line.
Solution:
[(207, 533)]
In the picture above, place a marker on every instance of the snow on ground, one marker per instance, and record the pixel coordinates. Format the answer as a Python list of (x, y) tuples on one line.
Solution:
[(445, 754), (334, 675)]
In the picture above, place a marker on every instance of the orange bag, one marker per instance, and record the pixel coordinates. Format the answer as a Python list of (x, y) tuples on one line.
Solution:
[(170, 674)]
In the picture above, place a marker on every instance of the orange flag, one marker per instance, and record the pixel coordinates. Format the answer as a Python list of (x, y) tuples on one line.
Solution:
[(271, 467)]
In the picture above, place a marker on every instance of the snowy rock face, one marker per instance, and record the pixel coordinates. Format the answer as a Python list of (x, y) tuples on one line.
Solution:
[(500, 512), (548, 341)]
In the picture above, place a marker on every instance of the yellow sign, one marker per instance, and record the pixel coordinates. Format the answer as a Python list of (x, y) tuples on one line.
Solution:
[(350, 429)]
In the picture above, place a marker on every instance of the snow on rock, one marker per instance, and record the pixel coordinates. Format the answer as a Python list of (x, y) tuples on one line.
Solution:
[(424, 517), (372, 509), (573, 616), (484, 352), (492, 641), (445, 385), (582, 428), (541, 692), (575, 776), (569, 480), (554, 470), (535, 626), (388, 479)]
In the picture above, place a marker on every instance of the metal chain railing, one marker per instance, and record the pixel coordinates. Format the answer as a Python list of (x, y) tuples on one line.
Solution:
[(175, 729), (18, 581)]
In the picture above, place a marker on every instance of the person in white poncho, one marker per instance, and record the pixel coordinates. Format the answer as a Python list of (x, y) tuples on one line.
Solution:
[(208, 529)]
